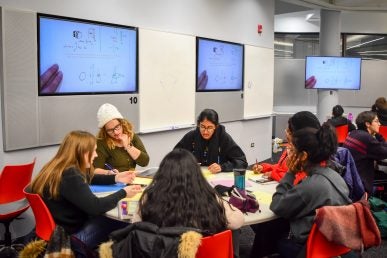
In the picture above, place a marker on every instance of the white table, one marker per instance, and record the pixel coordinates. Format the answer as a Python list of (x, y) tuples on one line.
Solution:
[(263, 193)]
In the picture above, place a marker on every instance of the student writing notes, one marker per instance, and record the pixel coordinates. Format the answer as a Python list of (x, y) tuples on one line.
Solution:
[(212, 145), (63, 185), (117, 144), (310, 150)]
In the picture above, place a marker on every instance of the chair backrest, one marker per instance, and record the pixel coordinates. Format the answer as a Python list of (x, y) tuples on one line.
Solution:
[(341, 132), (216, 246), (45, 223), (383, 131), (319, 247), (13, 179)]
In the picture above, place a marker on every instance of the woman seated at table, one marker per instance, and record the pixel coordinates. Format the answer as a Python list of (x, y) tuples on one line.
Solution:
[(367, 146), (179, 195), (310, 150), (118, 147), (277, 171), (212, 145), (63, 183)]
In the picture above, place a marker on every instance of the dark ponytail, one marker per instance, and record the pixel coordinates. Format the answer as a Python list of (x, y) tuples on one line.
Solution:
[(320, 144)]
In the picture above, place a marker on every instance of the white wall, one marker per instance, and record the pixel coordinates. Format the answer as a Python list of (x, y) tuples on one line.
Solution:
[(230, 20), (355, 22)]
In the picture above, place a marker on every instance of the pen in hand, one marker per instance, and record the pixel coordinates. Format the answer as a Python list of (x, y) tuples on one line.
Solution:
[(111, 168)]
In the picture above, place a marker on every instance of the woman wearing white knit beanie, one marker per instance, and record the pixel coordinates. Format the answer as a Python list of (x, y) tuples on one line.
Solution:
[(118, 147)]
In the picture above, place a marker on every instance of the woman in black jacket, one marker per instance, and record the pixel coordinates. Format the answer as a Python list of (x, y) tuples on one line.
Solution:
[(212, 145), (338, 119)]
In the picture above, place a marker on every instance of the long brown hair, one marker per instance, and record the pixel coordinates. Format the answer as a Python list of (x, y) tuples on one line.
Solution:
[(71, 153), (127, 128)]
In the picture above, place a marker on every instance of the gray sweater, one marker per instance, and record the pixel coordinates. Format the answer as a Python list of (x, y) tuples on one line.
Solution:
[(298, 203)]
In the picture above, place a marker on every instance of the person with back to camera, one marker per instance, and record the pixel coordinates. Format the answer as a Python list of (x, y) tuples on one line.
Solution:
[(380, 108), (338, 119), (367, 146), (179, 195), (310, 150), (118, 147), (267, 234), (212, 145), (63, 183)]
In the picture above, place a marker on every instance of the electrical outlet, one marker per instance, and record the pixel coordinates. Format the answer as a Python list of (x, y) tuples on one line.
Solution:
[(252, 145)]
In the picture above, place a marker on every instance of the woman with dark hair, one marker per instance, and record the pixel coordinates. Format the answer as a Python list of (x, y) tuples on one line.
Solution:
[(212, 145), (366, 146), (179, 195), (338, 119), (310, 149)]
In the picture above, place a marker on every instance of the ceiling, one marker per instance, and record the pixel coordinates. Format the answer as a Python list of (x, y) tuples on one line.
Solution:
[(287, 6)]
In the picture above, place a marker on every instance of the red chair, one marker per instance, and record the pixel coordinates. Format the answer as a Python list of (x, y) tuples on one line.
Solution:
[(383, 131), (341, 132), (216, 246), (13, 179), (318, 246), (45, 223)]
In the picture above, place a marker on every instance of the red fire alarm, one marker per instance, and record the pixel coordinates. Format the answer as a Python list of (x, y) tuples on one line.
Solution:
[(260, 27)]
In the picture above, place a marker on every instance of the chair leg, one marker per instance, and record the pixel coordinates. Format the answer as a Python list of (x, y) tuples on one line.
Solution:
[(8, 250)]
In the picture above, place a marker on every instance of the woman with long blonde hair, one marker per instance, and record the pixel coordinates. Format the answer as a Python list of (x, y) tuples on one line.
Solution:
[(63, 184)]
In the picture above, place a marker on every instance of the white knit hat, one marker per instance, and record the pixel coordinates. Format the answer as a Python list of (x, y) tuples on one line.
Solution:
[(107, 112)]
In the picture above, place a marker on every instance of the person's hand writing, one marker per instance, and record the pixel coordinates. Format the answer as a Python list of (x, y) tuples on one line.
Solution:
[(202, 80), (126, 177), (132, 190), (257, 168), (50, 79), (215, 168), (268, 174), (310, 82)]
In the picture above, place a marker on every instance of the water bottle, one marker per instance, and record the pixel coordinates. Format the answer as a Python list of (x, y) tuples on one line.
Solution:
[(239, 178), (350, 117)]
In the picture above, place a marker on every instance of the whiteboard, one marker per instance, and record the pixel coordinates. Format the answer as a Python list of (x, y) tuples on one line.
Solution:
[(258, 83), (167, 80)]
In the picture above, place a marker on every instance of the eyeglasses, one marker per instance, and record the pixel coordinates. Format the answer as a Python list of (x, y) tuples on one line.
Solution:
[(206, 128), (112, 130)]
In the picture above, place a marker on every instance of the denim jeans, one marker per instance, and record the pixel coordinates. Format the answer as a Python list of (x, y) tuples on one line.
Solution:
[(93, 233)]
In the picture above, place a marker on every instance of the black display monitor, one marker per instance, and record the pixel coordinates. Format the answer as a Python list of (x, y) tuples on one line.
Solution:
[(333, 72), (219, 65), (78, 56)]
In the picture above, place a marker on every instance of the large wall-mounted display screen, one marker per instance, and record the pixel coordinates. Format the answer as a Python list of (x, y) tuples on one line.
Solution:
[(78, 56), (332, 72), (219, 65)]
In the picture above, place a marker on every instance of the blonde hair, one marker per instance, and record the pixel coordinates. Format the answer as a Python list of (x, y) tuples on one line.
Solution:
[(71, 153), (127, 128)]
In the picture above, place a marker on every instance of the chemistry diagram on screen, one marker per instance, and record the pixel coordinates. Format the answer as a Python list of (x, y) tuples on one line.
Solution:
[(92, 57), (334, 72), (222, 63)]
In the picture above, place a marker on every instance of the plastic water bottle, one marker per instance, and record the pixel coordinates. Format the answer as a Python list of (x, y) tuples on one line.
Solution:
[(239, 178), (350, 117)]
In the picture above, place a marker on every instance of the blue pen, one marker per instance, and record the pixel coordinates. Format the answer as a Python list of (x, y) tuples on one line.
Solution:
[(110, 167)]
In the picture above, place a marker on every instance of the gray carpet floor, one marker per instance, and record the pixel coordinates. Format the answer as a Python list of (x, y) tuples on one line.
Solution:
[(247, 239)]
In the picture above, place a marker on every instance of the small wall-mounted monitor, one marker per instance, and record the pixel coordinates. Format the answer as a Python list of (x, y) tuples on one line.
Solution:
[(86, 57), (333, 72), (219, 65)]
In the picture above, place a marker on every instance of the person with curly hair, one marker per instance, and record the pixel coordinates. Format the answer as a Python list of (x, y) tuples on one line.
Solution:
[(118, 147)]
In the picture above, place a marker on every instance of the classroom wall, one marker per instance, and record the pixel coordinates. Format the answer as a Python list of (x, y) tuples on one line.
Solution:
[(289, 93), (230, 20)]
